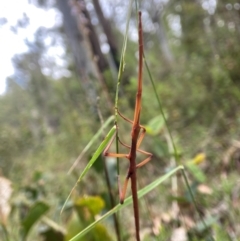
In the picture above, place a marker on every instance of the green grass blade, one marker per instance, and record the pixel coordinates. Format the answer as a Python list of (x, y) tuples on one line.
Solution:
[(128, 201), (161, 111), (122, 59), (120, 72), (96, 154), (90, 143)]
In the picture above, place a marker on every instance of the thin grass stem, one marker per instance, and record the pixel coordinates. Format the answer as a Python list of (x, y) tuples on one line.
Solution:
[(162, 112), (194, 201)]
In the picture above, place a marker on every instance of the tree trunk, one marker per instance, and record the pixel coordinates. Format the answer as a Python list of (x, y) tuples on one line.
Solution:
[(79, 50), (90, 61), (93, 39), (161, 34), (108, 32), (75, 38)]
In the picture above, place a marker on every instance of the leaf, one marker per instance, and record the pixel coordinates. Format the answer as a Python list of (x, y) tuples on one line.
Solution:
[(34, 214), (196, 172), (98, 166), (93, 204), (155, 125)]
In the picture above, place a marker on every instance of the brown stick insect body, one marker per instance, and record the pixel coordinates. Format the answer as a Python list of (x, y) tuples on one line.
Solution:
[(137, 135)]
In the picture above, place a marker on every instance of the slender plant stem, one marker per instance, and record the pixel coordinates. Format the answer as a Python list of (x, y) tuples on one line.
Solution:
[(162, 112), (194, 201), (112, 201), (107, 179), (120, 72)]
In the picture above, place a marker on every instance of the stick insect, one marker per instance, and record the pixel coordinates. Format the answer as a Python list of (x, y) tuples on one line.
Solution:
[(137, 135)]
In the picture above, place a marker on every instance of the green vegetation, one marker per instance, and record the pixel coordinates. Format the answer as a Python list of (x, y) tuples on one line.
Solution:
[(46, 123)]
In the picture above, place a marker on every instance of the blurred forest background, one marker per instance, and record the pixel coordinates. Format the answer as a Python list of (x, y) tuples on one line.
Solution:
[(53, 105)]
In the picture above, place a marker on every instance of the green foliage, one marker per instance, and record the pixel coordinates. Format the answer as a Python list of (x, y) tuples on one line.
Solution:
[(86, 209), (196, 172), (34, 214), (46, 123), (51, 234), (93, 204), (155, 125), (128, 201)]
